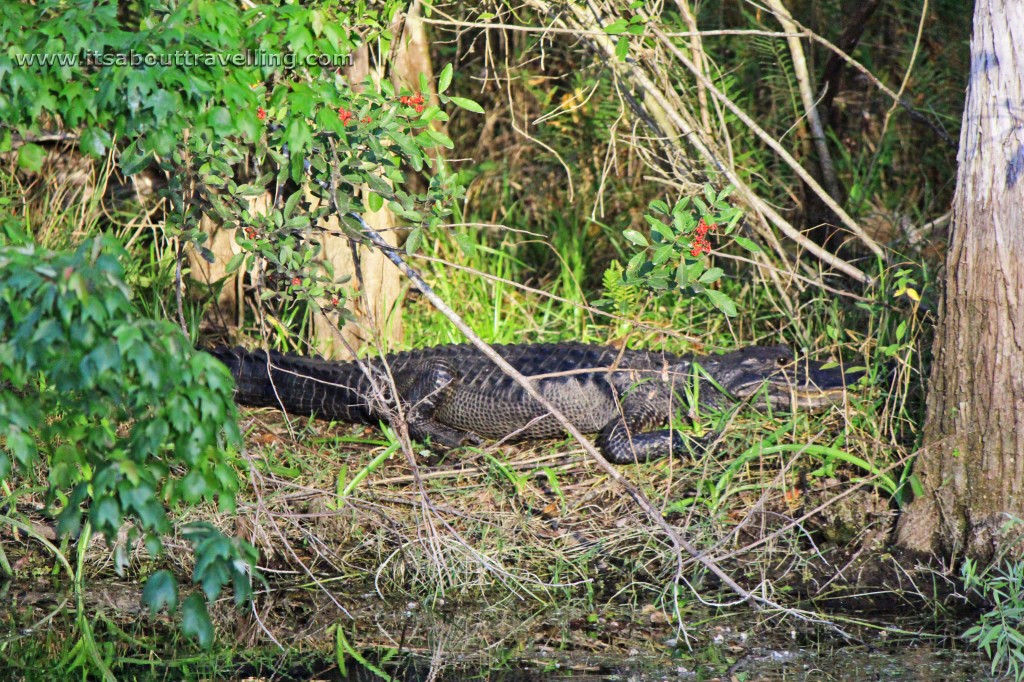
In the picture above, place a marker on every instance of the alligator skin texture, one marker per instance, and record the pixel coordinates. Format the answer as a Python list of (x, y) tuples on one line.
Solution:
[(454, 395)]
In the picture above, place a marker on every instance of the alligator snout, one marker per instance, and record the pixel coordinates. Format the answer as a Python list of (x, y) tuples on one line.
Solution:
[(788, 383)]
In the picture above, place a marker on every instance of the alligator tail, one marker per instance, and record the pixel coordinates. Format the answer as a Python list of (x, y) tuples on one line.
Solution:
[(250, 372), (298, 384)]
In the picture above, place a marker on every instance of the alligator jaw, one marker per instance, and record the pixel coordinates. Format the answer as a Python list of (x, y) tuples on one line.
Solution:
[(790, 397), (812, 400)]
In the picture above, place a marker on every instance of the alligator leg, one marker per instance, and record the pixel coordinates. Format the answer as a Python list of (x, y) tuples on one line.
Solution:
[(624, 444), (431, 389)]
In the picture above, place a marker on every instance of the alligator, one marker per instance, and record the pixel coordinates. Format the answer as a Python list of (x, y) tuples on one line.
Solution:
[(454, 395)]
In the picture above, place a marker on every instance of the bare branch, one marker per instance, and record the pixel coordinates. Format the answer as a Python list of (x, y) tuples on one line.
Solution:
[(828, 171)]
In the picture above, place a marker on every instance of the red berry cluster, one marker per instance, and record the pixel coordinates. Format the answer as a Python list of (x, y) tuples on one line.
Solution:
[(250, 232), (345, 115), (413, 101), (700, 241), (261, 113), (296, 281)]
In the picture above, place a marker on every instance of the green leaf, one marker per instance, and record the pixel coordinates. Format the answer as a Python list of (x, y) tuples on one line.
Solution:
[(316, 22), (193, 487), (622, 48), (161, 591), (30, 156), (747, 244), (220, 120), (94, 142), (662, 254), (659, 206), (721, 301), (375, 201), (465, 242), (694, 269), (430, 113), (660, 232), (235, 262), (293, 201), (163, 104), (682, 276), (299, 138), (635, 237), (440, 138), (635, 262), (711, 275), (412, 243), (467, 104), (22, 446), (195, 620), (106, 516), (445, 79), (616, 27)]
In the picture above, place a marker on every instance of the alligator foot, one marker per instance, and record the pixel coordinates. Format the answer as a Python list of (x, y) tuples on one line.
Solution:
[(440, 434), (622, 445)]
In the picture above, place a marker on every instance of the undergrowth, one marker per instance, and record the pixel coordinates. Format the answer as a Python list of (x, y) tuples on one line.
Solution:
[(476, 523), (779, 496)]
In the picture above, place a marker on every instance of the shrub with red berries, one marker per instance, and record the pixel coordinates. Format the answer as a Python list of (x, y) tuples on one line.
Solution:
[(339, 146), (674, 256)]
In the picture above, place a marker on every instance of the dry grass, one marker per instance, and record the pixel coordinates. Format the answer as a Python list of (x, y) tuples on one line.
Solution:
[(541, 524)]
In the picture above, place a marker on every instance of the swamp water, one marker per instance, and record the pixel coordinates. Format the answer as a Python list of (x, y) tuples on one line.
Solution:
[(505, 642)]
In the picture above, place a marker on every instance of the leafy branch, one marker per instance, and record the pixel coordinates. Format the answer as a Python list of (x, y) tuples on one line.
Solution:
[(131, 419)]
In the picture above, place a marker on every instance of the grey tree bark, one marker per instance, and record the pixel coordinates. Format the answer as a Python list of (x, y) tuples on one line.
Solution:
[(972, 463)]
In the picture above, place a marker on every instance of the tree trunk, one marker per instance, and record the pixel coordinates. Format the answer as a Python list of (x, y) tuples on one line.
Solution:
[(226, 314), (972, 463)]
